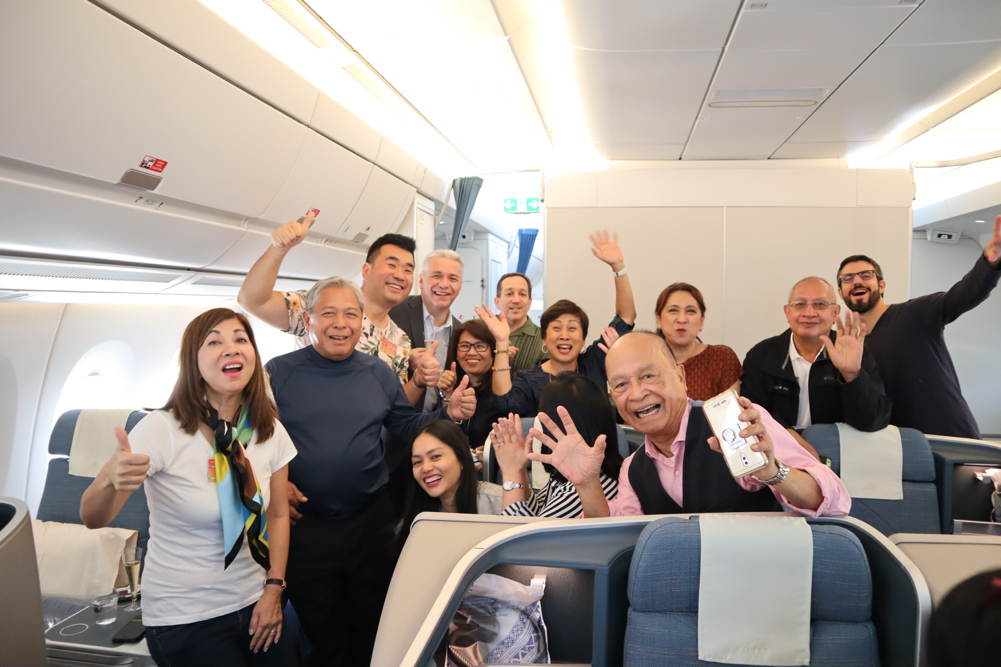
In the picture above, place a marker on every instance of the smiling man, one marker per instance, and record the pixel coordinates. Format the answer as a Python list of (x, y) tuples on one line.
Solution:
[(388, 275), (811, 375), (907, 340), (335, 400), (679, 468), (428, 316), (514, 299)]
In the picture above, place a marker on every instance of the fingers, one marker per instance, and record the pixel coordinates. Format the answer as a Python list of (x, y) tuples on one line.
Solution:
[(453, 369), (295, 496), (551, 425), (307, 222), (463, 385), (567, 420), (434, 347), (543, 438), (540, 458), (714, 444), (599, 444), (502, 317), (123, 440)]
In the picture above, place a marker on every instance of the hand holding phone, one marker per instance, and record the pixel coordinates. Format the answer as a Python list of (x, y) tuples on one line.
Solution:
[(723, 414)]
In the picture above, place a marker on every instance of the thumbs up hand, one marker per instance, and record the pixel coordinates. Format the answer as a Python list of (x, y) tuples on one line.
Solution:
[(428, 369), (127, 470)]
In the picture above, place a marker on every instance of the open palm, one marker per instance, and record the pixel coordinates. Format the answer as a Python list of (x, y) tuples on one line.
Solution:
[(846, 351), (575, 460)]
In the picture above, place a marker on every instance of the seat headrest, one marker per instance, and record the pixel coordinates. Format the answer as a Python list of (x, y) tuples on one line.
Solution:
[(919, 464), (666, 566), (62, 432)]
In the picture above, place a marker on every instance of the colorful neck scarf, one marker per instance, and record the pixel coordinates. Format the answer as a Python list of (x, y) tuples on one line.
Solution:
[(240, 496)]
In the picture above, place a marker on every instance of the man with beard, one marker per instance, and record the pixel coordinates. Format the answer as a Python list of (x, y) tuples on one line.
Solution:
[(906, 340)]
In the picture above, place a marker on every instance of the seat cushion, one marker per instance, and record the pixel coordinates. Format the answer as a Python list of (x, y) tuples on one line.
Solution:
[(919, 464)]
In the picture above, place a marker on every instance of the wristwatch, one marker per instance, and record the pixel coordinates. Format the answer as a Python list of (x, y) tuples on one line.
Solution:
[(619, 274), (275, 582), (508, 485), (779, 476)]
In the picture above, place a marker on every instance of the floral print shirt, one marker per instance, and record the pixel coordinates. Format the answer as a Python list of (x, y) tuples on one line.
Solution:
[(389, 344)]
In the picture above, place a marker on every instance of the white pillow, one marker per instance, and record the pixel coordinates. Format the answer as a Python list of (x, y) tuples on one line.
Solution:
[(75, 561)]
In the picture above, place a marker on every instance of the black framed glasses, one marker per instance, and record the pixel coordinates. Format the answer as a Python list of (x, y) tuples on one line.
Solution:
[(479, 347), (861, 275), (819, 304)]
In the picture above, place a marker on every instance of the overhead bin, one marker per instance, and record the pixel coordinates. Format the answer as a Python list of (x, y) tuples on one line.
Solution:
[(96, 96), (331, 261), (242, 255), (48, 212), (434, 186), (398, 162), (324, 176), (379, 210), (332, 120)]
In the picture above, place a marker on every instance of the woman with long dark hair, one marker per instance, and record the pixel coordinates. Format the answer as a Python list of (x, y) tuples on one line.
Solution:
[(214, 464), (471, 352), (594, 417), (445, 476)]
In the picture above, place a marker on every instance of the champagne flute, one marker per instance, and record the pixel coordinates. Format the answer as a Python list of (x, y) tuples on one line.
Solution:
[(131, 560)]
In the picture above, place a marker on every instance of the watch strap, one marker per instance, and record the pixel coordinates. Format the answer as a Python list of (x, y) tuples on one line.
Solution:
[(779, 476), (275, 582)]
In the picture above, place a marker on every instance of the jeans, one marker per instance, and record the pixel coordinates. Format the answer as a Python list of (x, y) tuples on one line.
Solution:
[(223, 641)]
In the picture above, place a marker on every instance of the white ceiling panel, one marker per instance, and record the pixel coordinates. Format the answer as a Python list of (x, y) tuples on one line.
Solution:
[(642, 97), (821, 149), (944, 21), (813, 26), (750, 70), (648, 25), (895, 85), (738, 138), (639, 151)]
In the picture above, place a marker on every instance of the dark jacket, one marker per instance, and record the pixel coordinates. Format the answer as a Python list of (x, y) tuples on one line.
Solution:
[(769, 381), (409, 316)]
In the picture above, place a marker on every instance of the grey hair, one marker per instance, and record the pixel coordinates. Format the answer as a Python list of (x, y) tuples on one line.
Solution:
[(447, 254), (314, 292), (830, 287)]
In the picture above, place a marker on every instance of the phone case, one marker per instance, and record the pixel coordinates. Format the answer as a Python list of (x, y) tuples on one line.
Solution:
[(132, 631), (722, 413)]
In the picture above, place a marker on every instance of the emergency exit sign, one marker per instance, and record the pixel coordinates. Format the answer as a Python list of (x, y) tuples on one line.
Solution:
[(521, 205)]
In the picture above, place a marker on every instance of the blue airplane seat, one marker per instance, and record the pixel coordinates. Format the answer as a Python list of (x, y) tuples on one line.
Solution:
[(62, 492), (663, 592), (918, 512)]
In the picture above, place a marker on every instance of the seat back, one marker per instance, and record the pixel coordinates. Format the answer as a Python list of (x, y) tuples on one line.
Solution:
[(21, 625), (918, 512), (62, 492), (663, 591)]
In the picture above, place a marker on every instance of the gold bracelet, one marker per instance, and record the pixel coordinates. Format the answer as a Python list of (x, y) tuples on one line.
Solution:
[(500, 351)]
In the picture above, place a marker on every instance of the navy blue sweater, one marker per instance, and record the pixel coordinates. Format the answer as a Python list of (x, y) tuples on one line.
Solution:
[(335, 411)]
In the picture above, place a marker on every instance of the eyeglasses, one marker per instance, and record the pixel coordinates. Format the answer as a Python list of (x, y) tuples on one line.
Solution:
[(817, 305), (862, 275), (479, 347)]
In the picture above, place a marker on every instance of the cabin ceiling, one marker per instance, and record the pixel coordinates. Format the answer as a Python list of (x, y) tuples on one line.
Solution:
[(670, 79)]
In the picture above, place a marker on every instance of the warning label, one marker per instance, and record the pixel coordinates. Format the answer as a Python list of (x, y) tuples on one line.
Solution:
[(153, 164)]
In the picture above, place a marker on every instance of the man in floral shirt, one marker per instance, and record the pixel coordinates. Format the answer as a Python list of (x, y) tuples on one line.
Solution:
[(388, 275)]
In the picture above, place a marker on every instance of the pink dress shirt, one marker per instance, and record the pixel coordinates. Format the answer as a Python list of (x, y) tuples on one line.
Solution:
[(836, 499)]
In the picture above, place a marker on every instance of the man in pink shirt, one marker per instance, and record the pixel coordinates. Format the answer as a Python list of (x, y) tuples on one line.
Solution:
[(676, 471)]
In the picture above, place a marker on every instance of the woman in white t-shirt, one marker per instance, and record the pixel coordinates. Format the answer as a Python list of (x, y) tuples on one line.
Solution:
[(214, 462)]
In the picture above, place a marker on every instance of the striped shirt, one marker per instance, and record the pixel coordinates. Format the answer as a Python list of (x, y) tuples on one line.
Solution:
[(558, 500), (528, 339)]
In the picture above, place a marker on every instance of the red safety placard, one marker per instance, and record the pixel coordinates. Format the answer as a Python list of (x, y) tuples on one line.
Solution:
[(153, 164)]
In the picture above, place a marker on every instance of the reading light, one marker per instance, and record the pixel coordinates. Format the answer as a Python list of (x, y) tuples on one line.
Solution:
[(755, 104)]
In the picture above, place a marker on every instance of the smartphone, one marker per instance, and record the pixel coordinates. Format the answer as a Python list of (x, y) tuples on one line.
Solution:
[(314, 211), (132, 631), (722, 413)]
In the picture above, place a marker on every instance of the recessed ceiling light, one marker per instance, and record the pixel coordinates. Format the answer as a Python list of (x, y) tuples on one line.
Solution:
[(979, 222), (751, 104)]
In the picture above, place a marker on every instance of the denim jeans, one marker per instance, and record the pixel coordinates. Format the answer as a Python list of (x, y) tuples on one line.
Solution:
[(223, 641)]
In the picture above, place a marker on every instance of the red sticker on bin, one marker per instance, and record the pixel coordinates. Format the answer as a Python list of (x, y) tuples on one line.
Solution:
[(153, 164), (314, 211)]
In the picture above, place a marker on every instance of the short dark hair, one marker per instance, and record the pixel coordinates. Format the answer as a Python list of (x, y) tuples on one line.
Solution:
[(399, 240), (858, 258), (417, 501), (560, 308), (477, 328), (964, 627), (514, 274), (592, 414)]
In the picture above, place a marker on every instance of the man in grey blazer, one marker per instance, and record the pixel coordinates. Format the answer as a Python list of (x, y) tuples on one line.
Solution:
[(428, 316)]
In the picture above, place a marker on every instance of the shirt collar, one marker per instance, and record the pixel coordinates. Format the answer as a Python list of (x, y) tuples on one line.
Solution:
[(429, 320), (529, 328), (794, 354), (679, 440)]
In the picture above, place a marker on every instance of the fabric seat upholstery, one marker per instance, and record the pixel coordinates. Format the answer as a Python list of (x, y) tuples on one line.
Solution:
[(918, 512), (663, 592)]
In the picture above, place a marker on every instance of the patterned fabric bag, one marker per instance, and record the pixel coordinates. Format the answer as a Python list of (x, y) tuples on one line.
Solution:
[(498, 621)]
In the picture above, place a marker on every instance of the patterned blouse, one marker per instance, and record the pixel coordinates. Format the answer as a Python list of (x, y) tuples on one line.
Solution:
[(558, 499), (711, 371), (389, 344)]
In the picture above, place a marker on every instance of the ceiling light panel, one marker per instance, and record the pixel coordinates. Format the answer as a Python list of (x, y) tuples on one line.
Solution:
[(450, 59), (958, 181), (939, 145), (984, 115)]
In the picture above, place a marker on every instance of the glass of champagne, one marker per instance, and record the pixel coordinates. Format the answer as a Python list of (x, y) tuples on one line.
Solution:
[(131, 560)]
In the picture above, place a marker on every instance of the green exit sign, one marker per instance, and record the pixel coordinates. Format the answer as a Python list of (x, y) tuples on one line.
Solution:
[(522, 205)]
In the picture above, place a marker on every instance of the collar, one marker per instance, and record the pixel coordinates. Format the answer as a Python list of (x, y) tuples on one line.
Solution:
[(429, 320), (679, 439), (529, 328), (794, 354)]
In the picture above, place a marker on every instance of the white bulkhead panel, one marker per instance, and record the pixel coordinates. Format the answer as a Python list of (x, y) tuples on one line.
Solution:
[(379, 209), (105, 95), (325, 176)]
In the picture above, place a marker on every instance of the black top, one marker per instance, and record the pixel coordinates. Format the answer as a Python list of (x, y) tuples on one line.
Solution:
[(908, 344), (527, 385), (335, 412), (770, 381), (707, 485)]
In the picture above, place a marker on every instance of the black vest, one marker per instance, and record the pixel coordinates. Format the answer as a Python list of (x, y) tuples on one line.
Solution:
[(707, 485)]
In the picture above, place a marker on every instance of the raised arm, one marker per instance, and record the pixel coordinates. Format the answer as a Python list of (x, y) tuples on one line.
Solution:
[(974, 288), (863, 398), (578, 462), (606, 248), (501, 331), (120, 477), (257, 294)]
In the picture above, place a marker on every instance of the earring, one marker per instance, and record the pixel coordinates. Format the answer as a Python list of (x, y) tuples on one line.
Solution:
[(544, 350)]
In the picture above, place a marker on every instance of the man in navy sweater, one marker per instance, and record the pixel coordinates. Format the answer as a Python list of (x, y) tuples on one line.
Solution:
[(906, 340), (334, 401)]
